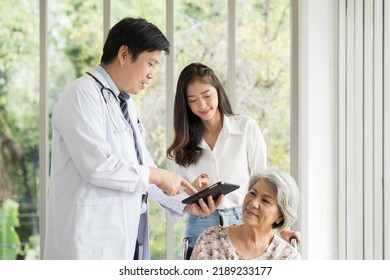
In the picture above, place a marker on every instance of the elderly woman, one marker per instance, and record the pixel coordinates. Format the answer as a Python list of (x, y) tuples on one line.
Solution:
[(269, 206)]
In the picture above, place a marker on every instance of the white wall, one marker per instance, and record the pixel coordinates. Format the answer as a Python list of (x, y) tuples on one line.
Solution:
[(342, 128), (317, 123)]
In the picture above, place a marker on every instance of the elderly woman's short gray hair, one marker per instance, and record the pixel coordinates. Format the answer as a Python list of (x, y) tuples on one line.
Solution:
[(287, 194)]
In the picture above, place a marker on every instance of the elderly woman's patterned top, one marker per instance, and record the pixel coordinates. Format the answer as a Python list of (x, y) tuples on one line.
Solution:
[(215, 244)]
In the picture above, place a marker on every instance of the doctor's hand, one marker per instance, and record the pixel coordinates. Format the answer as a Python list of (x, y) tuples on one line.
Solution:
[(169, 182), (203, 209)]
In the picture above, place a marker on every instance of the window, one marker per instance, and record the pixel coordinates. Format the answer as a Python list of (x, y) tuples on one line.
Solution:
[(19, 130), (263, 73), (260, 86)]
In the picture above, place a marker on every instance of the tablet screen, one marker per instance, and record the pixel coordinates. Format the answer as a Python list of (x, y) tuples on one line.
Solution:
[(215, 190)]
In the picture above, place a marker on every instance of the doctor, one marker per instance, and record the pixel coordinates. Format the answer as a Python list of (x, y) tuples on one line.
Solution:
[(102, 173)]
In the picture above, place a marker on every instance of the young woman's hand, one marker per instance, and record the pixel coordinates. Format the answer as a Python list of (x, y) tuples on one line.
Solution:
[(202, 181), (203, 209)]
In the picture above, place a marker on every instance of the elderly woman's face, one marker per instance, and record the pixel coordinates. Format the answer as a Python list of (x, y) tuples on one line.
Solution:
[(260, 208)]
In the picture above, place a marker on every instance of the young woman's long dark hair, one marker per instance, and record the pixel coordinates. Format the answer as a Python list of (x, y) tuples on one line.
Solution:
[(188, 126)]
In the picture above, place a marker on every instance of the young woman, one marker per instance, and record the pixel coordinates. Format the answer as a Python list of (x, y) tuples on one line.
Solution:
[(212, 144)]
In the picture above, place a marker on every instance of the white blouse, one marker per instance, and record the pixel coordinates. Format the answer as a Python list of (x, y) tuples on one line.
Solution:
[(240, 149)]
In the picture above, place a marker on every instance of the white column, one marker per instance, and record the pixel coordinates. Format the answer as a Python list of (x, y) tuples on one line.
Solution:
[(170, 97), (106, 18), (378, 95), (386, 134), (368, 193), (318, 128), (353, 118), (43, 123), (232, 53)]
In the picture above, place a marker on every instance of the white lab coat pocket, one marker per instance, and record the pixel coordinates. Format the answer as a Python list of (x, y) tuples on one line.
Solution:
[(100, 221)]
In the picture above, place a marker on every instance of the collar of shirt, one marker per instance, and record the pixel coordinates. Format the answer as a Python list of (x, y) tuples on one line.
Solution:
[(108, 79), (229, 127)]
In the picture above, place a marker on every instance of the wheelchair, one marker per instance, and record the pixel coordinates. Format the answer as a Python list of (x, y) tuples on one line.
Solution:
[(187, 251)]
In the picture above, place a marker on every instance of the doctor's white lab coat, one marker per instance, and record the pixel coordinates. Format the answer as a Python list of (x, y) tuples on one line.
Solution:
[(96, 182)]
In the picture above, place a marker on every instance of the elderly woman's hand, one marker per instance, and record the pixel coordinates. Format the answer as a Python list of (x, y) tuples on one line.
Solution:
[(204, 209)]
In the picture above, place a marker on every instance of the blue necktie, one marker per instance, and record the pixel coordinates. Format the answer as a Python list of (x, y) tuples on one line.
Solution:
[(123, 97)]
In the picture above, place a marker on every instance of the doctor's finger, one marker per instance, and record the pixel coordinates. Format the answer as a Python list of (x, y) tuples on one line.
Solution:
[(171, 191), (188, 186)]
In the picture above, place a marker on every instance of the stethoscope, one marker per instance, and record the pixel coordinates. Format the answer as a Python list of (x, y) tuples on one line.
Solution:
[(126, 128), (103, 88), (114, 123)]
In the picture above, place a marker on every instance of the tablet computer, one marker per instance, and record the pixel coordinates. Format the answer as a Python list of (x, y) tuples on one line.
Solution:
[(215, 190)]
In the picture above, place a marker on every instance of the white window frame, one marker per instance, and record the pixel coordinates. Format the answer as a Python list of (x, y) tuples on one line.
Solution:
[(321, 129), (44, 116)]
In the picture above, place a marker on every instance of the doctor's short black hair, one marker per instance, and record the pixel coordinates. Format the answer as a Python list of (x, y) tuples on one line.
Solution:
[(138, 35)]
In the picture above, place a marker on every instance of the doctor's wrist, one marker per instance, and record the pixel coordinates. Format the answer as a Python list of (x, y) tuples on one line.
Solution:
[(154, 176)]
